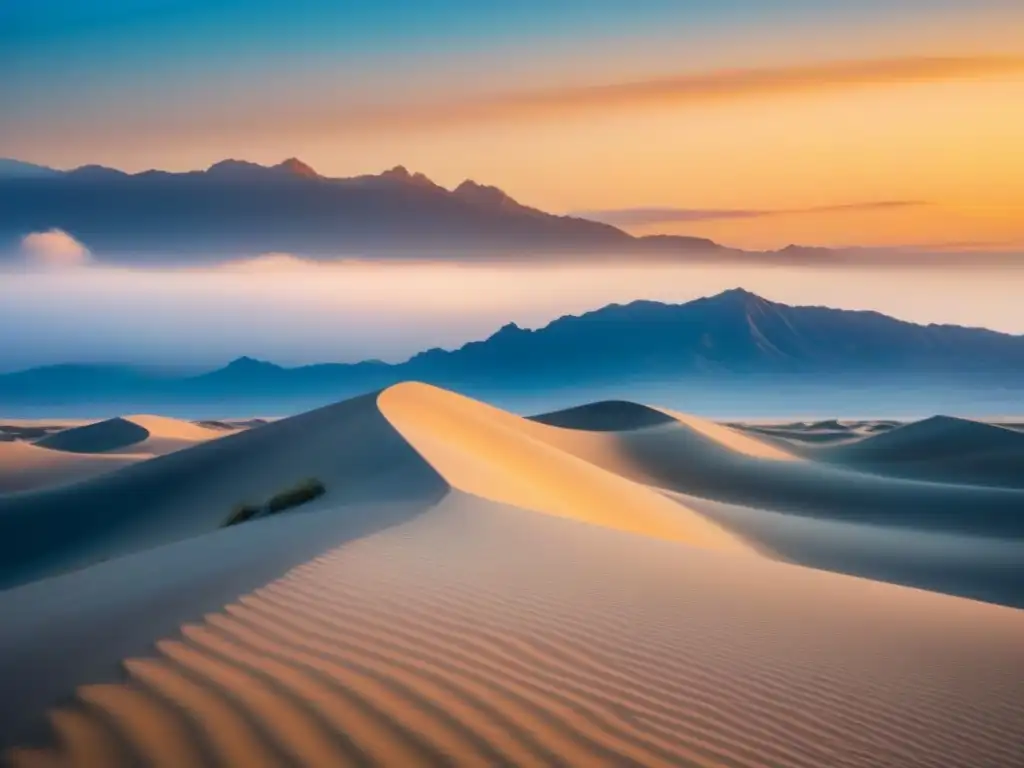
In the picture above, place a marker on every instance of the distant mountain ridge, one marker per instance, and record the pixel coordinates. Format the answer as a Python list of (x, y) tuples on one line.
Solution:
[(735, 337), (237, 208)]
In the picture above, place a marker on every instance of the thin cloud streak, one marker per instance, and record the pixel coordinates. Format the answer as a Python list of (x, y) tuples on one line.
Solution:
[(640, 217), (434, 112), (679, 89)]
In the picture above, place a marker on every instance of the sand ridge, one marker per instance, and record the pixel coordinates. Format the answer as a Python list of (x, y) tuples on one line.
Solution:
[(733, 439), (497, 456)]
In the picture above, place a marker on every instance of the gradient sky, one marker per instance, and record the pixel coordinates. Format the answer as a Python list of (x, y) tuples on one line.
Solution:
[(755, 122)]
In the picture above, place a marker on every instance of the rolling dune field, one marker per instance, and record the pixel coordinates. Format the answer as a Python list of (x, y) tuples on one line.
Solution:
[(610, 585)]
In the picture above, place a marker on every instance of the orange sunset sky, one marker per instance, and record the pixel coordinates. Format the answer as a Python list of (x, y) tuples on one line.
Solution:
[(757, 125)]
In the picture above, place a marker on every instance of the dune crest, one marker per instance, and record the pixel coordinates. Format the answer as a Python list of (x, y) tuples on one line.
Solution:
[(496, 455), (733, 439)]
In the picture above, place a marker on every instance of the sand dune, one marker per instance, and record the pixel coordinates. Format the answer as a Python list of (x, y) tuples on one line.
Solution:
[(498, 456), (478, 634), (733, 439), (794, 436), (933, 438), (476, 588), (689, 457), (155, 435), (25, 467), (350, 447), (605, 416), (942, 449)]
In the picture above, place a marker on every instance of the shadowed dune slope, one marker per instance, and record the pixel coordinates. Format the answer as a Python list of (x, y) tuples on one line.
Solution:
[(499, 456), (350, 447), (25, 467), (823, 516), (699, 458), (477, 635), (941, 449), (933, 438), (988, 568), (733, 439), (141, 434), (604, 416), (794, 437)]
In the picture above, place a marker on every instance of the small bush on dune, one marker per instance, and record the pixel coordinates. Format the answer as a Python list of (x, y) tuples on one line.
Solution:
[(305, 491), (298, 494)]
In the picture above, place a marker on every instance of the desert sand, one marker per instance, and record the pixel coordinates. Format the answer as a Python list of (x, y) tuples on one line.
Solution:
[(143, 433), (611, 585), (63, 453), (24, 466)]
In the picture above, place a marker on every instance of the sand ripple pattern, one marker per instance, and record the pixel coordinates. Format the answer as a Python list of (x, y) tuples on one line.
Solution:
[(480, 635)]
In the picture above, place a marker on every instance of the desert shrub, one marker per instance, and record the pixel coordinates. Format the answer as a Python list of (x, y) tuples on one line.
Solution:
[(305, 491), (298, 494), (241, 513)]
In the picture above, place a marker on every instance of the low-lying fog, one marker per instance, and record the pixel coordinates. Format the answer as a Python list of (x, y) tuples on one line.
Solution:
[(293, 312)]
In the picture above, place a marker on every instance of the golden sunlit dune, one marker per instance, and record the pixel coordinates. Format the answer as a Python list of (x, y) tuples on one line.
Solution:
[(475, 588), (498, 456)]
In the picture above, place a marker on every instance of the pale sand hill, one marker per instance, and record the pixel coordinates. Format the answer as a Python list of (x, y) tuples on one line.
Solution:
[(941, 449), (25, 467), (496, 455), (478, 634), (155, 435), (933, 438)]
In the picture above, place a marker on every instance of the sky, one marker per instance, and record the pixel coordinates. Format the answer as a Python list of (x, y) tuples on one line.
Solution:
[(895, 126), (757, 123)]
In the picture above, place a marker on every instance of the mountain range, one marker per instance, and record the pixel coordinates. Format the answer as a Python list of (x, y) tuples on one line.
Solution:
[(236, 208), (735, 338)]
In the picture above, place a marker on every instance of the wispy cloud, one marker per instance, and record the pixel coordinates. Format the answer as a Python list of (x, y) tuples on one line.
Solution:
[(434, 110), (639, 217), (683, 88)]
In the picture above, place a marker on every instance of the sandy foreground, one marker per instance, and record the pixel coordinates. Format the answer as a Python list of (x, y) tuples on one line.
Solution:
[(630, 587)]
